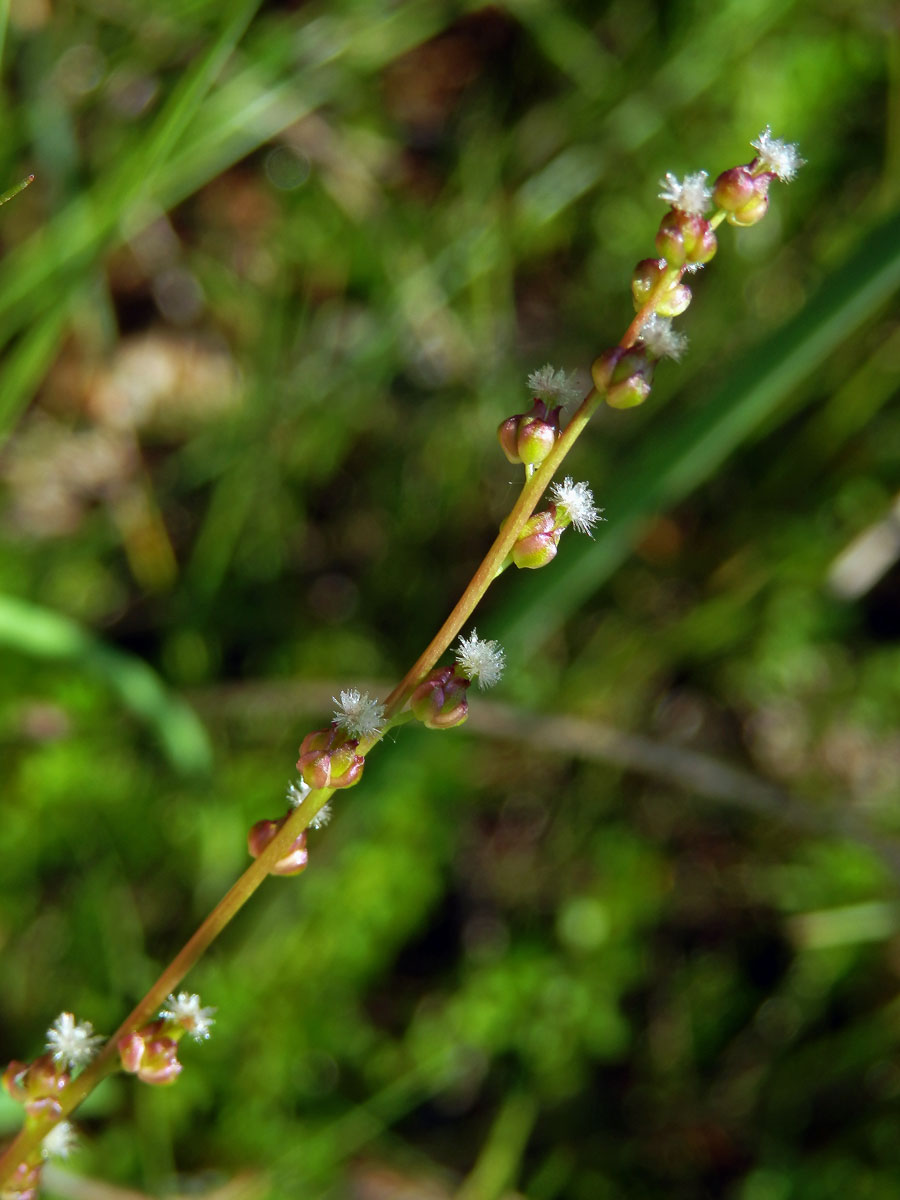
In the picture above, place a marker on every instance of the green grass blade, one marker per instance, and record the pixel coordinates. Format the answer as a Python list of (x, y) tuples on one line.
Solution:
[(38, 632)]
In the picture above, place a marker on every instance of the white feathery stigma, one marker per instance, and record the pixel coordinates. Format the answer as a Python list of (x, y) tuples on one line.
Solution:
[(661, 339), (781, 158), (60, 1141), (554, 387), (578, 501), (356, 713), (185, 1010), (297, 792), (481, 660), (690, 195), (72, 1043), (322, 817)]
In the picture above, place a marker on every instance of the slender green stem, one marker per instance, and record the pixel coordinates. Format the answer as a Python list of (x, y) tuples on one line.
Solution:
[(19, 187), (25, 1145)]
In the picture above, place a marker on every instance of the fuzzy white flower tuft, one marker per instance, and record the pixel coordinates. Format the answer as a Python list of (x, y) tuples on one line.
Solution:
[(553, 387), (690, 195), (781, 158), (322, 817), (481, 660), (661, 339), (578, 501), (356, 713), (60, 1141), (72, 1043), (297, 792), (185, 1010)]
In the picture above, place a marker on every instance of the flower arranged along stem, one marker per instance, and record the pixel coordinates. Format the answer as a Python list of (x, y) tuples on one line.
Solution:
[(334, 758)]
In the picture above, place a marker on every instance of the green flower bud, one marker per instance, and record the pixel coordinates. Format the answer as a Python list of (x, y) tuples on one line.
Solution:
[(529, 437), (537, 544), (624, 376), (671, 301)]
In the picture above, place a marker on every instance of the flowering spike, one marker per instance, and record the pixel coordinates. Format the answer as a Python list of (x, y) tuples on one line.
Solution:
[(776, 156), (72, 1043), (481, 660), (553, 387), (185, 1010), (356, 713), (690, 196), (575, 505)]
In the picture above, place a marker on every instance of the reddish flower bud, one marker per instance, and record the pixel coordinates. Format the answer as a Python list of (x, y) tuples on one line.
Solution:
[(685, 238), (328, 759), (439, 701), (670, 301), (150, 1056), (14, 1080), (538, 541), (508, 436), (24, 1183), (36, 1085), (262, 833), (743, 195)]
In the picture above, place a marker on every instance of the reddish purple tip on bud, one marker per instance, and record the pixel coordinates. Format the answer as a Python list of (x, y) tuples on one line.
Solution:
[(625, 377), (150, 1056), (538, 541), (261, 835), (328, 758), (439, 701), (669, 301), (529, 437), (743, 195)]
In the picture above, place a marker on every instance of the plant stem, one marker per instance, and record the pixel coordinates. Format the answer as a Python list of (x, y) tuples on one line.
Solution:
[(28, 1139)]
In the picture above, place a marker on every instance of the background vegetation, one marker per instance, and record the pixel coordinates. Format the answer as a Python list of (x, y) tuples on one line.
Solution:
[(283, 270)]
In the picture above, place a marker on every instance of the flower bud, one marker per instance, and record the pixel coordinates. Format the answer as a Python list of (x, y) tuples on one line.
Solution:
[(671, 301), (685, 238), (36, 1085), (624, 376), (743, 195), (328, 759), (538, 541), (529, 437), (150, 1055), (439, 701), (24, 1183), (262, 833)]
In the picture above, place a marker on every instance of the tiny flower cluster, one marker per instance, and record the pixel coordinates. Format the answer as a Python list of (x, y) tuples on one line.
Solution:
[(685, 241), (38, 1086), (572, 504), (440, 700), (529, 437), (151, 1052)]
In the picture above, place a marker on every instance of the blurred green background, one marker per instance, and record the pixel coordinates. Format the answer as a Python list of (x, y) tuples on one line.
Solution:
[(634, 931)]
